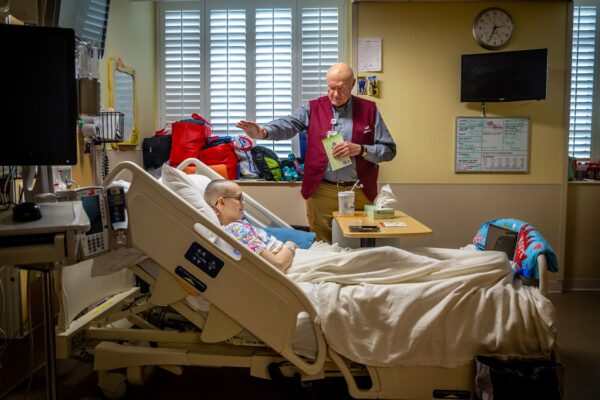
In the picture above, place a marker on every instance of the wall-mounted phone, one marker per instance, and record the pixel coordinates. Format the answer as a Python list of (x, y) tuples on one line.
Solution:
[(95, 239)]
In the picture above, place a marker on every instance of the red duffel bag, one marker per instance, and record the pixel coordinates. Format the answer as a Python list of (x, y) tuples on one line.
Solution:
[(220, 150), (189, 135)]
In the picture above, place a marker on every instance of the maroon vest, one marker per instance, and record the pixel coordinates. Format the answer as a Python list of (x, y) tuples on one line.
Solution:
[(363, 132)]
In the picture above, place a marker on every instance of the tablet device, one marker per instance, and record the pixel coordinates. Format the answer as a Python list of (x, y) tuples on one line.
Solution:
[(501, 239), (363, 228)]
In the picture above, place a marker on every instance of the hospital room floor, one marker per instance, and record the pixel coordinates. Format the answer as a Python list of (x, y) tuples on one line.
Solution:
[(579, 326)]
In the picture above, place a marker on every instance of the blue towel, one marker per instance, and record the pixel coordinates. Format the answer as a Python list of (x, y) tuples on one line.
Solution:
[(301, 238), (530, 244)]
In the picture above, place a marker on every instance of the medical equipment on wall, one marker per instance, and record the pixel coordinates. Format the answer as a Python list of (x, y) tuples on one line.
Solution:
[(105, 208), (87, 59), (116, 207), (95, 239), (108, 127), (97, 126)]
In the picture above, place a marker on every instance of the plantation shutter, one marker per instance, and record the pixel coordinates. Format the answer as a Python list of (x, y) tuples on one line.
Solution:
[(320, 49), (233, 60), (92, 20), (273, 71), (582, 81), (227, 70), (181, 61)]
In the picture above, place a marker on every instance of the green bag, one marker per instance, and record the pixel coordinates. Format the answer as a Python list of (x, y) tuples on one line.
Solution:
[(267, 163)]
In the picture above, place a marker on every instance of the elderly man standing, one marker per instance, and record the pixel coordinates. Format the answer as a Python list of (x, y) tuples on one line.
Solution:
[(366, 140)]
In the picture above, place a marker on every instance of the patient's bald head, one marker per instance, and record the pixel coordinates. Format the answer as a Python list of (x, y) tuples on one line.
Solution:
[(226, 199), (219, 188)]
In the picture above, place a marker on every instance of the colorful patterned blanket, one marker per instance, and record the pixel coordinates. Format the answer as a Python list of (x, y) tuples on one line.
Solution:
[(530, 244)]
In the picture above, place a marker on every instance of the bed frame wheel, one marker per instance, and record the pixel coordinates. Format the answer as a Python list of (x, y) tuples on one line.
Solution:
[(113, 384), (138, 375)]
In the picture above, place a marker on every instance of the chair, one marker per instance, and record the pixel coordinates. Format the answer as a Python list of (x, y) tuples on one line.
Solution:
[(533, 255)]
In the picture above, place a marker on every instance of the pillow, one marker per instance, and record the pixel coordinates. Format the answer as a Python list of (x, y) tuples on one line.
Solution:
[(200, 182), (301, 238), (192, 192)]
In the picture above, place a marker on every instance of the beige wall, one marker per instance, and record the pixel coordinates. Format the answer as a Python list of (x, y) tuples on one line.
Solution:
[(420, 85), (583, 232), (420, 100), (130, 35)]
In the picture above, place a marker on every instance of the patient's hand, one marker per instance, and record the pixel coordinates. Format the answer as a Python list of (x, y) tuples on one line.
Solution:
[(291, 244), (274, 245), (283, 259)]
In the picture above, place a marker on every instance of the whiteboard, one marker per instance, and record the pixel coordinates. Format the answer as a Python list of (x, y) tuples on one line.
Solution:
[(492, 145)]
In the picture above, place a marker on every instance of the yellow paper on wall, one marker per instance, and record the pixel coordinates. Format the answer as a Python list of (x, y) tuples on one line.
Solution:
[(329, 143)]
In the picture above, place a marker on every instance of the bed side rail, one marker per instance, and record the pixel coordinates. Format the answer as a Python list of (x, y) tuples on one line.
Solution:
[(238, 282), (255, 212)]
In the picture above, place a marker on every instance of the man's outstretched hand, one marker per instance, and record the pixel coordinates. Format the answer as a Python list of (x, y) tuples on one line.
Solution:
[(252, 129)]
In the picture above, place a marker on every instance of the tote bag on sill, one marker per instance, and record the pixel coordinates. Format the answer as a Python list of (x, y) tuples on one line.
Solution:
[(189, 136), (220, 150)]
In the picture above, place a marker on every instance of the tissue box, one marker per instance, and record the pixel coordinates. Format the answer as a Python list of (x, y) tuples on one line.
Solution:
[(374, 212)]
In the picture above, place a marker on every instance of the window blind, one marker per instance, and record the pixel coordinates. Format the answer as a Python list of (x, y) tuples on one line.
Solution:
[(273, 71), (320, 50), (92, 22), (582, 81), (227, 70), (230, 61), (182, 67)]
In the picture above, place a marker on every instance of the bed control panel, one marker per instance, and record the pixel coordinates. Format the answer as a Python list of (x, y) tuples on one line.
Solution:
[(210, 264), (95, 239)]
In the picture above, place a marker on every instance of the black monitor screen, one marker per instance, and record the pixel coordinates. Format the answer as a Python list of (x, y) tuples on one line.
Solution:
[(91, 205), (38, 106), (504, 76)]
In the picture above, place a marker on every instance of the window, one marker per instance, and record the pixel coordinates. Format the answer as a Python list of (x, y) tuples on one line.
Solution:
[(583, 120), (94, 22), (233, 60), (87, 17)]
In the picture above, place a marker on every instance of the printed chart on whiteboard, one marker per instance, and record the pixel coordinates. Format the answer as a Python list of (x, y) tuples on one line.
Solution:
[(492, 144)]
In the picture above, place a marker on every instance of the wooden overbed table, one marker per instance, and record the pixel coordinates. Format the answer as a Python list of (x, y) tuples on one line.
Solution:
[(367, 239)]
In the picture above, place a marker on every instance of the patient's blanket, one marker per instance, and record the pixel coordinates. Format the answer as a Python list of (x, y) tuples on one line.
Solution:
[(386, 306)]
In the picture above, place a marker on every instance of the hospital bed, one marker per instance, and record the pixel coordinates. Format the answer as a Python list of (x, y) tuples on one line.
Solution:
[(192, 255)]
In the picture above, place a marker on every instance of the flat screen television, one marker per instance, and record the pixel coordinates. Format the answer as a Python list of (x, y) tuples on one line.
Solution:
[(504, 76), (38, 106)]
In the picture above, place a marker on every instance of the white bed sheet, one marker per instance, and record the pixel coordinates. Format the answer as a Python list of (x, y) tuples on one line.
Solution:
[(386, 306)]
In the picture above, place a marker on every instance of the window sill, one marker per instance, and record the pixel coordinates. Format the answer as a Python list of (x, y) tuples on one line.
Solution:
[(256, 182), (585, 182)]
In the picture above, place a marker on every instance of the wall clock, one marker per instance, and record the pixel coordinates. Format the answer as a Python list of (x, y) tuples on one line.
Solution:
[(493, 28)]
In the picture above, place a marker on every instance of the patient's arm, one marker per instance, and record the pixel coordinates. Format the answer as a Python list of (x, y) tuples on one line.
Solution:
[(257, 240), (283, 259)]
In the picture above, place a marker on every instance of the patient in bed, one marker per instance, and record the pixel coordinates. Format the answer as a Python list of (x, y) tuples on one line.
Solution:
[(226, 199)]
